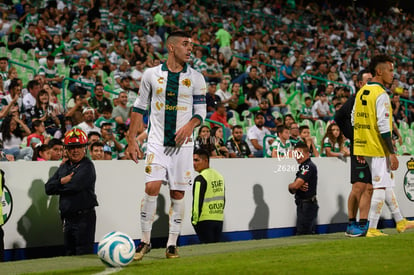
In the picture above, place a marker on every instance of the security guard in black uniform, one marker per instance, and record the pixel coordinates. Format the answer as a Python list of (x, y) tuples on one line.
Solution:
[(74, 181), (208, 199), (304, 188)]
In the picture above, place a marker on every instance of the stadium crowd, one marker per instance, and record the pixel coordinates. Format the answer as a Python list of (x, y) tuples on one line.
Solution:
[(276, 72)]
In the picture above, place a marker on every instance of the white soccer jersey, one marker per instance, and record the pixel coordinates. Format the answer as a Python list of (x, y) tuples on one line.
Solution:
[(173, 99)]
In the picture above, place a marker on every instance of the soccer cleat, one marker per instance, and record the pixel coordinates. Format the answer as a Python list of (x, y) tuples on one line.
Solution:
[(373, 232), (172, 252), (404, 224), (142, 249), (354, 230)]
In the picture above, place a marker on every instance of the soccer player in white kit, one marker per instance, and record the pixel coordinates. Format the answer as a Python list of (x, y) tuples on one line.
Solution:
[(175, 94)]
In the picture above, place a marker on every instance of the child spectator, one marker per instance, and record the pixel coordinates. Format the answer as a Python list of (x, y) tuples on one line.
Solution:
[(306, 112), (106, 117), (41, 152), (304, 133), (97, 151), (281, 146), (333, 143), (39, 132)]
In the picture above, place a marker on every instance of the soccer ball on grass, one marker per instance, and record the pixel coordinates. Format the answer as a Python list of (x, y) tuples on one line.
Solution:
[(116, 249)]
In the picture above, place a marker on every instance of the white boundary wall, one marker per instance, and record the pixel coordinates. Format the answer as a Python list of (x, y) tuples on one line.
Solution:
[(256, 198)]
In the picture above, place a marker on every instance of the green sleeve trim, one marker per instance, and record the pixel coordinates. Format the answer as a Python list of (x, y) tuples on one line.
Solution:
[(385, 135), (198, 117), (138, 110)]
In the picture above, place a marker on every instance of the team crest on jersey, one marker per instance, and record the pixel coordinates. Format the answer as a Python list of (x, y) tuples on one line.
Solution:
[(159, 91), (377, 178), (187, 177), (161, 80), (186, 82), (387, 115), (148, 169), (159, 105)]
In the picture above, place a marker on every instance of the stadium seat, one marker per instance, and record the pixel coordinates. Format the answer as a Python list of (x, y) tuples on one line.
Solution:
[(233, 121), (245, 114), (320, 124), (403, 127)]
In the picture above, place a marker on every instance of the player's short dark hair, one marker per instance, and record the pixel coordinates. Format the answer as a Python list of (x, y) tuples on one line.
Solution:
[(178, 34), (55, 141), (303, 127), (106, 124), (94, 133), (259, 114), (280, 129), (107, 108), (237, 127), (303, 146), (202, 153), (4, 58), (14, 83), (97, 144), (50, 57), (36, 123), (379, 59)]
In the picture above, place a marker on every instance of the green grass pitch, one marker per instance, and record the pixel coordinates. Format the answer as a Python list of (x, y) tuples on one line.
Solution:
[(314, 254)]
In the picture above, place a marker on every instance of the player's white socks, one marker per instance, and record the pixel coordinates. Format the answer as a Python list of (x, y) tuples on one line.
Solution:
[(176, 217), (392, 204), (148, 208), (377, 202)]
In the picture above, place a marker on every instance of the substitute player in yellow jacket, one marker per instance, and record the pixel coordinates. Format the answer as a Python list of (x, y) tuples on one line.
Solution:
[(372, 121), (208, 199)]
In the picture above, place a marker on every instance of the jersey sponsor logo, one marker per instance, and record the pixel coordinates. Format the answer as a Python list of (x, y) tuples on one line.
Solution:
[(186, 82), (149, 159), (362, 114), (360, 141), (362, 126), (159, 91), (148, 169), (161, 80), (175, 108), (159, 105)]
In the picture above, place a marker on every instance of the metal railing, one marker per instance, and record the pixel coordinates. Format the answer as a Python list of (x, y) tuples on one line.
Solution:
[(83, 83), (221, 125), (321, 79), (23, 65)]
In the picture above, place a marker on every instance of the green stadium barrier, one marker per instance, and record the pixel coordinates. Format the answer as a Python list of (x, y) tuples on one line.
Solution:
[(320, 79), (221, 125), (23, 65), (83, 83)]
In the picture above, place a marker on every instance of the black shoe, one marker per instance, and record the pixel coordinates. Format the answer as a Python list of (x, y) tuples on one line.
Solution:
[(172, 252), (142, 249)]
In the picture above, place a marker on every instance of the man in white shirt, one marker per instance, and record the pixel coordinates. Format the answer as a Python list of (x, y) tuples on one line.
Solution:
[(224, 94), (320, 109), (88, 118), (29, 100), (256, 134)]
